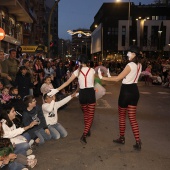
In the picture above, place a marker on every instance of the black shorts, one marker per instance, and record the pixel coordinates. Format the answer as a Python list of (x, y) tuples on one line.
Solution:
[(129, 95), (87, 96)]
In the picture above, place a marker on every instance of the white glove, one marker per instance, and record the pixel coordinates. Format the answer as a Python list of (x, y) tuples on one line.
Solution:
[(108, 73), (77, 94), (100, 74), (52, 92)]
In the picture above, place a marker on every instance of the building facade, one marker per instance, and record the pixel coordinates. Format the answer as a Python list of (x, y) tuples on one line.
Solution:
[(81, 42), (116, 26), (24, 24)]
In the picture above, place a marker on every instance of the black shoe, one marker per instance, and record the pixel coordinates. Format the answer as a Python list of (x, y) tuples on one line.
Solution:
[(137, 146), (83, 140), (120, 140), (89, 133)]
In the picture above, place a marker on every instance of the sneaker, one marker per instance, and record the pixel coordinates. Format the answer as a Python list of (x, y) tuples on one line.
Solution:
[(83, 140), (137, 146), (32, 163), (120, 140), (29, 152), (31, 157), (31, 142), (25, 169)]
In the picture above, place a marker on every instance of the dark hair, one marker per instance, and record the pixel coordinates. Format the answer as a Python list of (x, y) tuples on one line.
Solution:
[(12, 49), (4, 114), (22, 68), (12, 89), (46, 77), (24, 61), (28, 99), (83, 59), (45, 96), (135, 49)]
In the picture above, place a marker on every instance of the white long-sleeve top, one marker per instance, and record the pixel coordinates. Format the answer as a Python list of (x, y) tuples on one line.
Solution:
[(50, 110), (13, 133)]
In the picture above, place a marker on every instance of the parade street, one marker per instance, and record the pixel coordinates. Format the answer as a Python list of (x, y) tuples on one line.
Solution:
[(100, 153)]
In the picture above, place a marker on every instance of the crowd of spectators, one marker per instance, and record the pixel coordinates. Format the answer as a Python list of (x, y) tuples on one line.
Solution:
[(25, 77)]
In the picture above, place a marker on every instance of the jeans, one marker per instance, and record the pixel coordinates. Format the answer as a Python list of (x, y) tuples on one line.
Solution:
[(15, 166), (42, 135), (57, 130), (27, 136), (21, 148)]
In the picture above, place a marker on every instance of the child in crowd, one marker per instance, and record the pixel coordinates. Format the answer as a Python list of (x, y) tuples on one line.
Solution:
[(50, 108), (5, 96), (14, 93), (47, 85), (39, 133)]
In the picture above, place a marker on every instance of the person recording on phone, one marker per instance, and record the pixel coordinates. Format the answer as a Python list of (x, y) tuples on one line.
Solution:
[(40, 133)]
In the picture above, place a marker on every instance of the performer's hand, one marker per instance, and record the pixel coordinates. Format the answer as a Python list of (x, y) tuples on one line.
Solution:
[(100, 74), (52, 92), (108, 73)]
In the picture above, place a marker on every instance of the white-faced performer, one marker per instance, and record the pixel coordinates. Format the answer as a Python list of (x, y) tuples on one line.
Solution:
[(129, 95)]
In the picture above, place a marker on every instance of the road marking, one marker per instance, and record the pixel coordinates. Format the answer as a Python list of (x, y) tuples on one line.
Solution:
[(145, 92), (163, 93), (102, 104)]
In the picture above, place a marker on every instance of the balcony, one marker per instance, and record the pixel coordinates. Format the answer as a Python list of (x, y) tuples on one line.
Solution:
[(19, 9)]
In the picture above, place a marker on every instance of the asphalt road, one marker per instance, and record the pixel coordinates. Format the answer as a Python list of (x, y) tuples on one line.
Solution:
[(101, 153)]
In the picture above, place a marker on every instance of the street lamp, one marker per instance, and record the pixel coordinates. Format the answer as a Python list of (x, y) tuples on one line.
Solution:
[(49, 25), (160, 32)]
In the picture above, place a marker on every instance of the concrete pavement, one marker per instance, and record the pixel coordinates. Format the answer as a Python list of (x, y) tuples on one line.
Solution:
[(101, 153)]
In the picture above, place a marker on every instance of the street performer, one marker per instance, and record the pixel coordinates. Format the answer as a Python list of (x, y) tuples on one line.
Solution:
[(129, 95)]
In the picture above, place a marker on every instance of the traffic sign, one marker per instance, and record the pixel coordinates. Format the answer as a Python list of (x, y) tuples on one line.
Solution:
[(2, 34)]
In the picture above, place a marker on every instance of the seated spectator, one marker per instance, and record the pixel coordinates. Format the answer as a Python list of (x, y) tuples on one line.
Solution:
[(16, 135), (50, 108), (11, 161), (47, 85), (157, 79), (14, 93), (5, 96), (39, 133)]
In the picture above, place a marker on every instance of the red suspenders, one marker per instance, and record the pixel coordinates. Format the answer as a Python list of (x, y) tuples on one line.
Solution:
[(137, 73), (85, 76)]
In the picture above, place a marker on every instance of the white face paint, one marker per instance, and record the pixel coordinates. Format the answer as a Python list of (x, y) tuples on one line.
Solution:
[(130, 55)]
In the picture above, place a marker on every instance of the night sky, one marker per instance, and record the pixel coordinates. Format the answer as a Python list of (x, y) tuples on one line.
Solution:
[(75, 14)]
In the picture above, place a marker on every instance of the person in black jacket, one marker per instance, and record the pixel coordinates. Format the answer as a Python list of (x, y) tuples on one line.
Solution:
[(23, 81)]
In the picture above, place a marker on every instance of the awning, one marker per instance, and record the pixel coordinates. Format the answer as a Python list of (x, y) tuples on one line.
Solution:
[(11, 40), (18, 9)]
